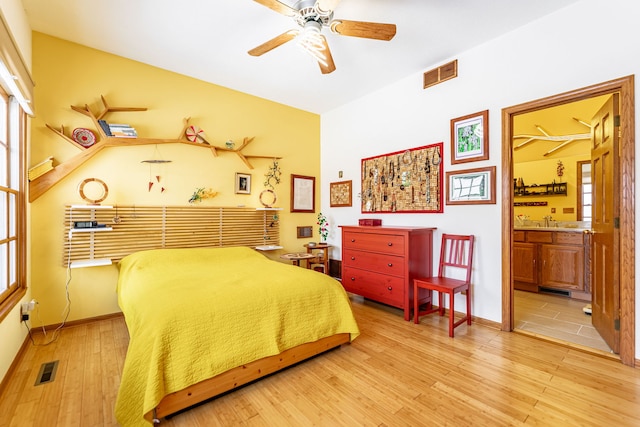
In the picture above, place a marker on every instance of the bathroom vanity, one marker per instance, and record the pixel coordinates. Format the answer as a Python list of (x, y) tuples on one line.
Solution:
[(552, 259)]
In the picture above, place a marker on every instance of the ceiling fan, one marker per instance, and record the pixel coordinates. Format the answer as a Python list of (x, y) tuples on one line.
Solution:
[(311, 16)]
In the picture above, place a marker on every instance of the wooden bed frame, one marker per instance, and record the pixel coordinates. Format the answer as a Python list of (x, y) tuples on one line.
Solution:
[(244, 374)]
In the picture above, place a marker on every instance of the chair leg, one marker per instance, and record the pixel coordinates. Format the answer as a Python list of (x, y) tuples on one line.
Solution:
[(452, 313), (441, 303), (469, 305)]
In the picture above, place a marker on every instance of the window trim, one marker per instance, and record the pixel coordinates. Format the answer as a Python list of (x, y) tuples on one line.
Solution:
[(580, 195), (21, 224)]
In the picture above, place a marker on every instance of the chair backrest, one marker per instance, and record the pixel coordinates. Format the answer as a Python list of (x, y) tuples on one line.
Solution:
[(456, 251)]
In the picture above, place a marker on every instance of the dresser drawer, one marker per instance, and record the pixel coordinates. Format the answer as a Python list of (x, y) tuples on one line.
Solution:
[(380, 263), (375, 286), (387, 243)]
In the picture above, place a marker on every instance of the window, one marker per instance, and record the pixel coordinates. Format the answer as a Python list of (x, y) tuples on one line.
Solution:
[(584, 191), (12, 211)]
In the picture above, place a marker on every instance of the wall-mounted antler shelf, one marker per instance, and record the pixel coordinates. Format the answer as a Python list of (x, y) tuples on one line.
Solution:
[(564, 140), (40, 185)]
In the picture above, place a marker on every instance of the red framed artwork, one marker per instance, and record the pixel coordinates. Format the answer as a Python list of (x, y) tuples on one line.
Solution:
[(408, 181)]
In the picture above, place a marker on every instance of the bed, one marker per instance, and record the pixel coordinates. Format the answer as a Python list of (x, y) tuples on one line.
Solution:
[(204, 321)]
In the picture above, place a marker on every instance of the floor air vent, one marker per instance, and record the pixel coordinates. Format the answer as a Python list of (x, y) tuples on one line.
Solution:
[(554, 291), (47, 372)]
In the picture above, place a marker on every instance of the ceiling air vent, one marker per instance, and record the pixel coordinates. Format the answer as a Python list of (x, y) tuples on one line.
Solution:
[(440, 74)]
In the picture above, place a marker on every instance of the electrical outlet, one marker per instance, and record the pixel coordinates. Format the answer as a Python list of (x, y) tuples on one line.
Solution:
[(28, 306), (24, 317)]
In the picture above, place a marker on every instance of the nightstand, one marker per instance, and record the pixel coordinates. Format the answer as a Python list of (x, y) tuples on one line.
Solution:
[(322, 258)]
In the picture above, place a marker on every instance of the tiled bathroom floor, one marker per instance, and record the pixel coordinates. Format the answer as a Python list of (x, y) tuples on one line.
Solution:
[(557, 317)]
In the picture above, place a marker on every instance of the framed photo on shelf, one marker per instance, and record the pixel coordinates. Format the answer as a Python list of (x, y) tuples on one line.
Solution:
[(303, 193), (472, 186), (243, 183), (340, 194), (470, 138)]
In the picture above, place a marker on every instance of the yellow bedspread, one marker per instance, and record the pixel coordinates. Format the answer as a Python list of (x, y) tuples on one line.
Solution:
[(195, 313)]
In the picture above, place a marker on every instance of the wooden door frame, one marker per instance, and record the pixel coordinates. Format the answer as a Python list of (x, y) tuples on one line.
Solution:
[(625, 86)]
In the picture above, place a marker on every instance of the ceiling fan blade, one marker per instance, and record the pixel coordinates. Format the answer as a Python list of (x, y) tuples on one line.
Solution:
[(278, 7), (367, 30), (330, 67), (326, 6), (273, 43)]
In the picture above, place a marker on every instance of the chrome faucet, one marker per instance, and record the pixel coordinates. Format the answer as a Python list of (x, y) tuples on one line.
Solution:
[(547, 220)]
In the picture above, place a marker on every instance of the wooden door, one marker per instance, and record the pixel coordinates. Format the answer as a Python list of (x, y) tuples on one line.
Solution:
[(605, 223)]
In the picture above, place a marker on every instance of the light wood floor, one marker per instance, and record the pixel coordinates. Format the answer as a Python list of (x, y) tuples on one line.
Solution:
[(395, 374), (556, 317)]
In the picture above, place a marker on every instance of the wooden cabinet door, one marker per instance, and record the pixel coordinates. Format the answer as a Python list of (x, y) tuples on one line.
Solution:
[(562, 267), (524, 267)]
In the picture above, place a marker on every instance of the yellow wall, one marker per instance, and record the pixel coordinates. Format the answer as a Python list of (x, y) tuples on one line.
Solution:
[(544, 172), (533, 162), (69, 74)]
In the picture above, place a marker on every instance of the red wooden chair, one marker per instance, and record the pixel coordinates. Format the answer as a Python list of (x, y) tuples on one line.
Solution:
[(456, 253)]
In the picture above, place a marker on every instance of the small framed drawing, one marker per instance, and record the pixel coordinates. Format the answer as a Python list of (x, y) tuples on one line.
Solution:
[(472, 186), (243, 183), (303, 193), (340, 194), (470, 138)]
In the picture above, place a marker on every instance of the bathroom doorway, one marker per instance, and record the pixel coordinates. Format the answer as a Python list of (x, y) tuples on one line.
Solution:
[(552, 146), (625, 221)]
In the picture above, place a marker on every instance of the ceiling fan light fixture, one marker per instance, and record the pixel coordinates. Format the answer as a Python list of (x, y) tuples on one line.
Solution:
[(317, 8), (310, 40)]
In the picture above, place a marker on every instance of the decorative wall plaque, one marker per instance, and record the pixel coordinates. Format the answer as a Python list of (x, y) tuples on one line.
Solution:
[(404, 181), (340, 194)]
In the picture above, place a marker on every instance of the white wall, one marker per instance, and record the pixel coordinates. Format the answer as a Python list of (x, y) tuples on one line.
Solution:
[(578, 46)]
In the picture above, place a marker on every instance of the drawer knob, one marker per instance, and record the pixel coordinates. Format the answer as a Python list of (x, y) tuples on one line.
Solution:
[(353, 240), (389, 244), (353, 279), (389, 288), (390, 265), (353, 258)]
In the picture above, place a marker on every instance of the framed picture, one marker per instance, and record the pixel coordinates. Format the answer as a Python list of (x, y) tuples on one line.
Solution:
[(243, 183), (340, 194), (303, 193), (470, 138), (408, 181), (472, 186)]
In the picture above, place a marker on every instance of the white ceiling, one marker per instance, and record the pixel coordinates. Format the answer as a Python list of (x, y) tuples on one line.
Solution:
[(209, 40)]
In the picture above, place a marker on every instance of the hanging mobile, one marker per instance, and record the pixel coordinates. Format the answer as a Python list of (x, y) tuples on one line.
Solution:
[(157, 159)]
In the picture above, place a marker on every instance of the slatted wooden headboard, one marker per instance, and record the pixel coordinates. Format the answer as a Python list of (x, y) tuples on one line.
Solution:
[(135, 228)]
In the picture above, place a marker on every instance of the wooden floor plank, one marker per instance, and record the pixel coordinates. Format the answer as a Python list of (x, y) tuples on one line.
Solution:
[(395, 374)]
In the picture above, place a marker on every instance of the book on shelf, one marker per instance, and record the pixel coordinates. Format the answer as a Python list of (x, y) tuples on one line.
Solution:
[(41, 168), (105, 127), (122, 131)]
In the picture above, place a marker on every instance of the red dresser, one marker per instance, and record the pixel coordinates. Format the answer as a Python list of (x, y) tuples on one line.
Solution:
[(380, 263)]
